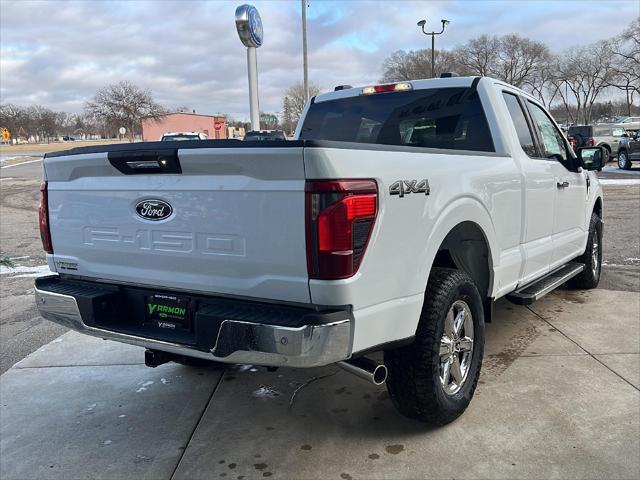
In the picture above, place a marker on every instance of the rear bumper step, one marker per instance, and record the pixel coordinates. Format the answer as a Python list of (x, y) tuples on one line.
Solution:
[(534, 291), (223, 330)]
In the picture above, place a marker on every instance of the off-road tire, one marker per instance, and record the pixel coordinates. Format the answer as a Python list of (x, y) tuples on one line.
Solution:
[(414, 380), (623, 160), (607, 153), (590, 276)]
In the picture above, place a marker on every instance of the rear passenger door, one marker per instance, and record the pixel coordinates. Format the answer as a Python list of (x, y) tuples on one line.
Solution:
[(539, 192), (569, 215)]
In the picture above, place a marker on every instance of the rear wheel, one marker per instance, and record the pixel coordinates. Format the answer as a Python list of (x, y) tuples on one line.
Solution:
[(607, 153), (623, 160), (591, 258), (434, 378)]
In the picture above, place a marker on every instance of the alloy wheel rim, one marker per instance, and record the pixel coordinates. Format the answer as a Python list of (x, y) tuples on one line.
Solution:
[(622, 159), (456, 347)]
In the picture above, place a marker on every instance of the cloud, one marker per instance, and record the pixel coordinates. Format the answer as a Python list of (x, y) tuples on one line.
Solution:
[(188, 52)]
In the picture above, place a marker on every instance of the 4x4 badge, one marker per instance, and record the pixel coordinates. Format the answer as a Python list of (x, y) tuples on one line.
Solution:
[(404, 187)]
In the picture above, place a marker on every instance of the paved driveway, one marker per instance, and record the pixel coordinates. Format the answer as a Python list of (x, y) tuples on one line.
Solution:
[(558, 398)]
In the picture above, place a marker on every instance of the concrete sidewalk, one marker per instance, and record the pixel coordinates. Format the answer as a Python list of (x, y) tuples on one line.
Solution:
[(558, 398)]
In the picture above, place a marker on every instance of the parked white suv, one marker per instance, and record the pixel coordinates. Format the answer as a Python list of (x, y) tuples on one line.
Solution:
[(177, 136), (392, 223)]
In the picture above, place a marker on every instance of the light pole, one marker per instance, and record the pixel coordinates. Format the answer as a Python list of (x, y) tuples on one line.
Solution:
[(422, 23), (304, 50)]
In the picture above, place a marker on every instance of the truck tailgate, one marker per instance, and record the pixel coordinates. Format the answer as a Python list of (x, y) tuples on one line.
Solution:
[(236, 223)]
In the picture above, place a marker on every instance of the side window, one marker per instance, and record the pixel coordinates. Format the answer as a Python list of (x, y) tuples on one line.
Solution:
[(553, 145), (520, 122)]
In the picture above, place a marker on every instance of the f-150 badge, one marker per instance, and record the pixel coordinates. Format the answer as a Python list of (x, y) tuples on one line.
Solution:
[(405, 187)]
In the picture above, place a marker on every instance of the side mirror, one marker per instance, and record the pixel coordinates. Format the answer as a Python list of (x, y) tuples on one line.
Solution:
[(591, 158)]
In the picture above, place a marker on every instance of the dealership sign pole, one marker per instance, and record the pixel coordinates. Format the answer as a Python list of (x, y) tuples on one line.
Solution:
[(249, 26)]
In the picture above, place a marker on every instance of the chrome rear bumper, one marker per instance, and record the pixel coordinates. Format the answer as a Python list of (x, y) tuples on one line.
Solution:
[(237, 341)]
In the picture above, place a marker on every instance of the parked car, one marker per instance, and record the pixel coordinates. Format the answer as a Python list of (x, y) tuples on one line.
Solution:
[(391, 223), (607, 136), (630, 124), (259, 135), (628, 150), (179, 136), (67, 138)]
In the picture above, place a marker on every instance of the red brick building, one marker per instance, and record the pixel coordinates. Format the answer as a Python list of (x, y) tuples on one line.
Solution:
[(154, 127)]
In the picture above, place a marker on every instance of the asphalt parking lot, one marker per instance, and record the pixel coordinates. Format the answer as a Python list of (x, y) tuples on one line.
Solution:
[(558, 396)]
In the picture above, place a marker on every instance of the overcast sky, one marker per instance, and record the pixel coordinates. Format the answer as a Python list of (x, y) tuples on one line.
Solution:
[(188, 52)]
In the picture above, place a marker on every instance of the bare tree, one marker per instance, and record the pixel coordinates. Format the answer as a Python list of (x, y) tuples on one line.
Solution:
[(540, 82), (511, 58), (479, 56), (416, 64), (124, 104), (586, 72), (294, 101), (625, 50), (288, 124), (12, 117), (41, 122), (519, 58)]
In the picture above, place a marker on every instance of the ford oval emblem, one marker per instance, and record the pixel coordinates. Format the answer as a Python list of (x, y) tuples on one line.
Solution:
[(153, 209)]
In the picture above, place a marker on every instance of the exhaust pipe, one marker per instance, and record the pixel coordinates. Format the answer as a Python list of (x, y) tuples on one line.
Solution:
[(366, 369)]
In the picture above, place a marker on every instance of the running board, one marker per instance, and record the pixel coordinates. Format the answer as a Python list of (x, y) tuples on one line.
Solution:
[(534, 291)]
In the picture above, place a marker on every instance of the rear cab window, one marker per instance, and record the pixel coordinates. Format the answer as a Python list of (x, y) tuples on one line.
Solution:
[(443, 118), (520, 123)]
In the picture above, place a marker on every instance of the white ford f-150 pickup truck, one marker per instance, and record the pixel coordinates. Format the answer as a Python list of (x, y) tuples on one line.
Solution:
[(391, 223)]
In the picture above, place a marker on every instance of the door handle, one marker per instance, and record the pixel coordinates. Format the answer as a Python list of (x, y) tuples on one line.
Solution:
[(564, 184)]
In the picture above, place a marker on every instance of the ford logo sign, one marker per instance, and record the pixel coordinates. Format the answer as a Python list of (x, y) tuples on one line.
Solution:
[(153, 209)]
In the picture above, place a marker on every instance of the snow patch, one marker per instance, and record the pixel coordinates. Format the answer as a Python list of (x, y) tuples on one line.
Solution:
[(38, 271), (6, 159), (144, 386), (266, 392), (619, 181)]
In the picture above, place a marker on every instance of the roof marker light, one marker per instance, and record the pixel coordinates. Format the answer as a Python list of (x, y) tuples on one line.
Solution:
[(389, 87)]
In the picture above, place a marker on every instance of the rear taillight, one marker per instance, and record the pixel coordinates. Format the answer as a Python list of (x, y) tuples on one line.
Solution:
[(339, 216), (590, 142), (43, 219)]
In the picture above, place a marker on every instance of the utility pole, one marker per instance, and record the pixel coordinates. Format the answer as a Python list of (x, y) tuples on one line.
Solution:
[(304, 50)]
